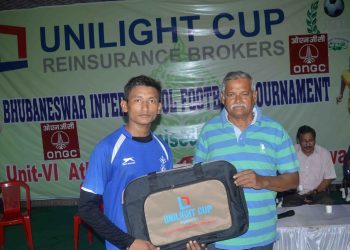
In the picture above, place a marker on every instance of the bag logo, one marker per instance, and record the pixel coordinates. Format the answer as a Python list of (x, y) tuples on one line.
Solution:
[(186, 213), (183, 202), (262, 148)]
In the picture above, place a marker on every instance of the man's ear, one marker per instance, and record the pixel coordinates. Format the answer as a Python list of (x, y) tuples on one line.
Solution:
[(255, 96), (124, 105), (222, 98)]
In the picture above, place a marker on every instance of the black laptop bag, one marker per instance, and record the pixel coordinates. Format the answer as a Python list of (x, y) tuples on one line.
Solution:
[(199, 202)]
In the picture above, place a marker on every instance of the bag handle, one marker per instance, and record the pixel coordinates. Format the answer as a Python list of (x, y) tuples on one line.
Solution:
[(153, 177), (197, 169)]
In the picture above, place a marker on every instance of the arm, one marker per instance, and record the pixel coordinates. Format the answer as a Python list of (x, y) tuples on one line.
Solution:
[(324, 185), (329, 172), (91, 214), (342, 87), (280, 183)]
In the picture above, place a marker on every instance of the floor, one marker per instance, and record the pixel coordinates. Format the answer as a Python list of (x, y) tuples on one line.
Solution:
[(53, 230)]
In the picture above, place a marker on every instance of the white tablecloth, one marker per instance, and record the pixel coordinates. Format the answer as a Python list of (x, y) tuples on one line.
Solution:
[(312, 228)]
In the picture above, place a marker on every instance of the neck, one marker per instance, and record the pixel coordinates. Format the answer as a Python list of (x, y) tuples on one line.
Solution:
[(241, 122), (139, 130), (308, 153)]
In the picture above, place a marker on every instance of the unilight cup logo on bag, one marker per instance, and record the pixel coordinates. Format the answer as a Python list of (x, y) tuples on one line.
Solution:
[(189, 210), (186, 213)]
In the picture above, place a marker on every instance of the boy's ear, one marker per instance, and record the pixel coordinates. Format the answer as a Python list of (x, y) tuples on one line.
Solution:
[(124, 105)]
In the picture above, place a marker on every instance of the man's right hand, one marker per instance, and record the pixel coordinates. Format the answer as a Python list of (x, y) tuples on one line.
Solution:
[(309, 197), (142, 245)]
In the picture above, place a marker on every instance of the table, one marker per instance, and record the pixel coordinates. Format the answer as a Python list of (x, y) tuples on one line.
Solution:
[(312, 228)]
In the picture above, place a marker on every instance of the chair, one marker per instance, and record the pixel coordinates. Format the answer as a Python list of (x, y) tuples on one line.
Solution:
[(13, 210), (77, 220)]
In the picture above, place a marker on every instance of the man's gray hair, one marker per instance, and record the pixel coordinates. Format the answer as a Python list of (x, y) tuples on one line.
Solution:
[(235, 75)]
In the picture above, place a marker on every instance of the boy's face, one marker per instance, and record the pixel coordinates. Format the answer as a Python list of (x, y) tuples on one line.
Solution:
[(142, 105)]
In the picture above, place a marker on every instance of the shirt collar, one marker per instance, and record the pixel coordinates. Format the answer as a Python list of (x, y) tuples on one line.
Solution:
[(256, 111)]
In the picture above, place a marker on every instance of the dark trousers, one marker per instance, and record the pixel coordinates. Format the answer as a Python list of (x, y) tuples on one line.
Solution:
[(293, 199)]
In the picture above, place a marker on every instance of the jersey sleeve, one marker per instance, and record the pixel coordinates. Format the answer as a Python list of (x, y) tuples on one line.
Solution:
[(98, 168)]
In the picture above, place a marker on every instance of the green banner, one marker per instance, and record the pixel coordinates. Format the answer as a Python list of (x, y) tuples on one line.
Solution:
[(63, 69)]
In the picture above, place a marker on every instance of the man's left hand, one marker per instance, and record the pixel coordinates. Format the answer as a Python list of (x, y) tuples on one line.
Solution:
[(248, 179)]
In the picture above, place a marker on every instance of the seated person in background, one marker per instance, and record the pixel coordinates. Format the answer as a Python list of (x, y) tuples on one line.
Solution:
[(316, 171)]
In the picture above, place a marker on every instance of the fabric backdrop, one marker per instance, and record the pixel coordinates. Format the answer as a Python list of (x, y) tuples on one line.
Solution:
[(63, 68)]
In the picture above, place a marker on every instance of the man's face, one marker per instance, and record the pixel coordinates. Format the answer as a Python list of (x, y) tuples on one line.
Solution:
[(142, 105), (239, 98), (307, 143)]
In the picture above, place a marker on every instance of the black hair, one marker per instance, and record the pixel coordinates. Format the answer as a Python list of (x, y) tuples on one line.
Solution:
[(141, 80), (303, 130)]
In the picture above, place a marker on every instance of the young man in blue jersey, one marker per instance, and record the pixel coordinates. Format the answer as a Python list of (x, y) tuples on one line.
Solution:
[(125, 154), (259, 148)]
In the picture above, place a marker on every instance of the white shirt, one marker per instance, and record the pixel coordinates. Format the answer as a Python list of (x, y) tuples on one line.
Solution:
[(314, 168)]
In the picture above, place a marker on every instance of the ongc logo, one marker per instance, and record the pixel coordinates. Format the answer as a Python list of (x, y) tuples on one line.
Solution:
[(60, 140), (308, 54)]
